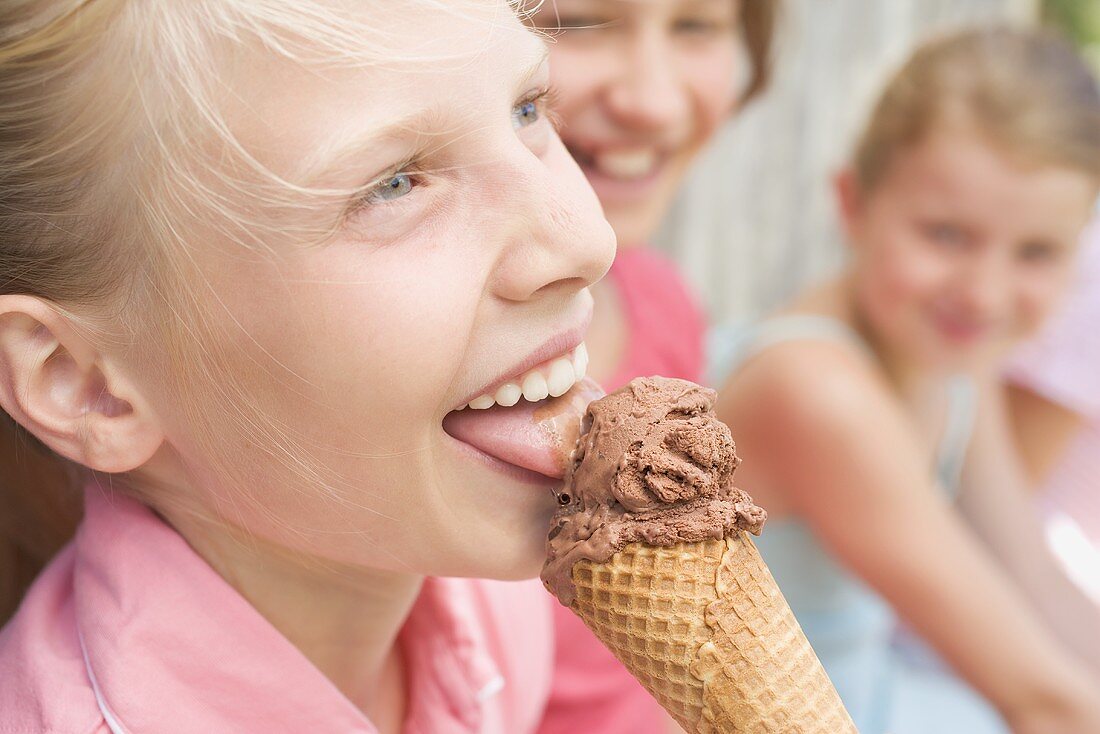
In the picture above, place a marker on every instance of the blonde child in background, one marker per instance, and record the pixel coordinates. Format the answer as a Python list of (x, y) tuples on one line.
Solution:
[(640, 88), (247, 285), (870, 415)]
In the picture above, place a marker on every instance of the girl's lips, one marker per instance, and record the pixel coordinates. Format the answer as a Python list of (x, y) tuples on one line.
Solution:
[(536, 437), (960, 332)]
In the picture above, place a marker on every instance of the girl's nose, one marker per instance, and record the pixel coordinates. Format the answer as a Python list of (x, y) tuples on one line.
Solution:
[(558, 239), (987, 286), (646, 91)]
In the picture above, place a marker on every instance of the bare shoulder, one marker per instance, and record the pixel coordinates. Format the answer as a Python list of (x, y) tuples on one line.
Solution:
[(805, 397), (811, 378), (826, 431)]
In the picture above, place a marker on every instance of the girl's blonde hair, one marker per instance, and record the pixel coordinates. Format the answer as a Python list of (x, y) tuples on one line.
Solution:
[(1026, 92), (113, 154)]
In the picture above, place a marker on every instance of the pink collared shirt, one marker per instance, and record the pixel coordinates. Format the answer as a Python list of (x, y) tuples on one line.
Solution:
[(665, 325), (129, 630)]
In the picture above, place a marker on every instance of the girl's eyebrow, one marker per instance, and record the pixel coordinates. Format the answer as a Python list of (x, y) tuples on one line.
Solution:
[(329, 157), (326, 158)]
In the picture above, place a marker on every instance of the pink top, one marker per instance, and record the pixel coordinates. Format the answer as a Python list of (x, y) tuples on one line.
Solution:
[(666, 338), (665, 323), (1063, 365), (129, 630)]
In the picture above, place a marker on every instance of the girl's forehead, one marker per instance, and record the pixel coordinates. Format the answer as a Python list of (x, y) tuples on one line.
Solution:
[(964, 172), (433, 72)]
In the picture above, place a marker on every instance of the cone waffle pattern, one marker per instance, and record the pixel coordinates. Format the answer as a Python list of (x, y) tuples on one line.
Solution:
[(705, 629)]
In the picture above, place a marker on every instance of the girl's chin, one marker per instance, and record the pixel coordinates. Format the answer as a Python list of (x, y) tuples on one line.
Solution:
[(951, 357), (527, 567), (971, 349), (929, 353), (515, 557)]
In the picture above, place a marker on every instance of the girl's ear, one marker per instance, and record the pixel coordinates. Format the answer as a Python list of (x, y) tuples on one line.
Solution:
[(56, 384), (849, 199)]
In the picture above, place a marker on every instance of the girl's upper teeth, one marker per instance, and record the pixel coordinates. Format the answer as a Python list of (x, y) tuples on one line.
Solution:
[(508, 395), (482, 402), (626, 164), (534, 387), (561, 377), (551, 380)]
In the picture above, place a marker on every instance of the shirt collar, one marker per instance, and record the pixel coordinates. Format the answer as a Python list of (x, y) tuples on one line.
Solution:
[(171, 647)]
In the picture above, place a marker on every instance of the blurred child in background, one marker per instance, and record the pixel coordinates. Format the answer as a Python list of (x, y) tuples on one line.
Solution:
[(870, 415), (640, 88), (1054, 401)]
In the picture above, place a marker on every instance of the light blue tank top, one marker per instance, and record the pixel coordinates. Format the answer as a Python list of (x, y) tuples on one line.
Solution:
[(852, 629)]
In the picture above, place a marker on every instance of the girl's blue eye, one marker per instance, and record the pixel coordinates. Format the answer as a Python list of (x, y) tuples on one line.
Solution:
[(525, 113), (1039, 252), (947, 235), (392, 188), (699, 26)]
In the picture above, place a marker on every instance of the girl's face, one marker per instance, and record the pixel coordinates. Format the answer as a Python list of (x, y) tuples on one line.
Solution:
[(641, 86), (461, 265), (960, 251)]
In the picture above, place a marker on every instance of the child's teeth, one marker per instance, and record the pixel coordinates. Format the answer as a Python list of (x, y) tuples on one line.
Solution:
[(627, 164), (564, 372), (482, 402), (580, 362), (508, 395), (534, 387), (561, 377)]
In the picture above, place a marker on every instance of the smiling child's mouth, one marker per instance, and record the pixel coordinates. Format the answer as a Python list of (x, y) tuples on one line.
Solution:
[(538, 436)]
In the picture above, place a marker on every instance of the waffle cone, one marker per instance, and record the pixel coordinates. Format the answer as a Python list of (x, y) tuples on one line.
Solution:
[(705, 629)]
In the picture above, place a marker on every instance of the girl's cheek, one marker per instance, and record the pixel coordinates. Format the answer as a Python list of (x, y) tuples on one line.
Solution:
[(907, 283), (1038, 299), (926, 269), (578, 74), (886, 283), (904, 268), (713, 77)]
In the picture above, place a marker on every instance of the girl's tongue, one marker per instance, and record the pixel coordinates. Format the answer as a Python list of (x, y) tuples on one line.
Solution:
[(536, 436)]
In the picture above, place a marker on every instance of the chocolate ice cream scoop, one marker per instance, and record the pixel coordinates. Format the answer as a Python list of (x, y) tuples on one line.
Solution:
[(652, 464)]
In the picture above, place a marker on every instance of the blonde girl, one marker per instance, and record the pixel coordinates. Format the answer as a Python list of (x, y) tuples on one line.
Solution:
[(255, 259), (869, 412)]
